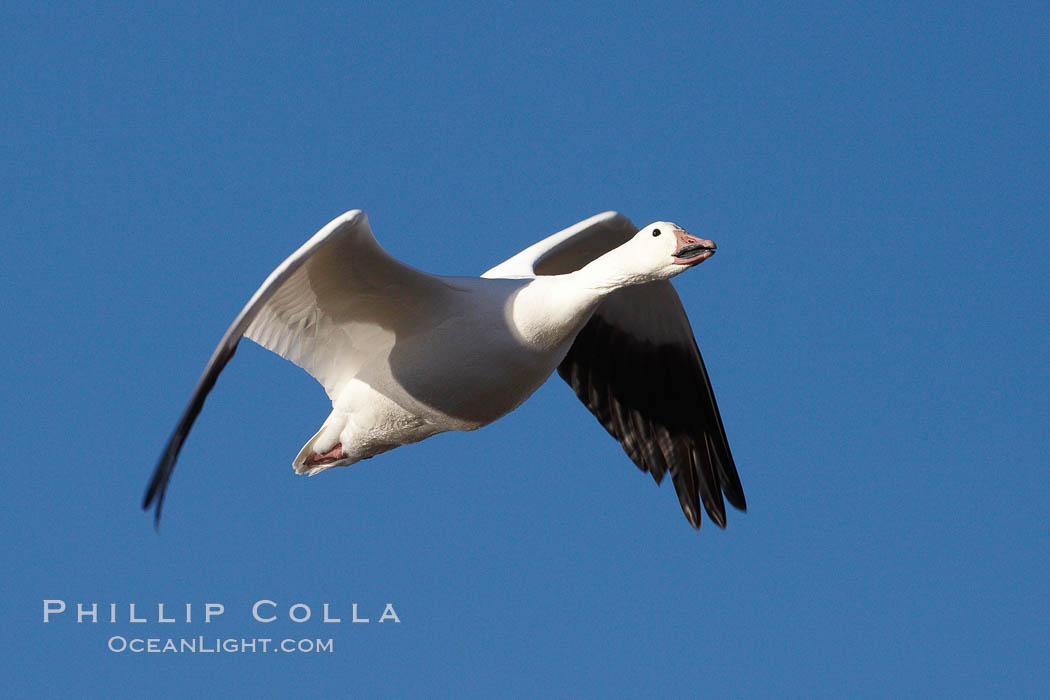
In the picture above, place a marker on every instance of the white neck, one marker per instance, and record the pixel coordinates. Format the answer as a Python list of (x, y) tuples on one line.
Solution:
[(552, 309), (610, 272)]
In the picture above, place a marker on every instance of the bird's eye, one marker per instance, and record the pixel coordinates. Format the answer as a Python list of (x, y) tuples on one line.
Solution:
[(656, 232)]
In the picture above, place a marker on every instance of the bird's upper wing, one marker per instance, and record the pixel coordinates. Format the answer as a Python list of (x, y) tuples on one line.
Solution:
[(570, 249), (333, 304), (637, 367)]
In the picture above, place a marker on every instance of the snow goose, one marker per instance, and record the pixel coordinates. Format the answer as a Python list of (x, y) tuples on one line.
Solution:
[(404, 355)]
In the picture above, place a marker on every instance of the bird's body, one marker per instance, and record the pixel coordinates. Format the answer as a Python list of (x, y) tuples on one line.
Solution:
[(404, 355), (410, 392)]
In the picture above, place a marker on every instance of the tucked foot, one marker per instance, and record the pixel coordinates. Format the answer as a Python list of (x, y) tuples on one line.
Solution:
[(319, 460)]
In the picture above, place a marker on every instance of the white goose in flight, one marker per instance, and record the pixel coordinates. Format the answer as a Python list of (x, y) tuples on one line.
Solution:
[(404, 355)]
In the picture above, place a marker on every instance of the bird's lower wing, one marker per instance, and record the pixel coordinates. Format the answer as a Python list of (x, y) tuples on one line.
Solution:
[(637, 367)]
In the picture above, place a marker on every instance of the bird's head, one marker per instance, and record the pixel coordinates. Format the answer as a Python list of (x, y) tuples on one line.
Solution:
[(662, 250)]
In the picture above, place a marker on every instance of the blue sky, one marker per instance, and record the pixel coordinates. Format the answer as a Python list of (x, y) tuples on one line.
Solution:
[(875, 325)]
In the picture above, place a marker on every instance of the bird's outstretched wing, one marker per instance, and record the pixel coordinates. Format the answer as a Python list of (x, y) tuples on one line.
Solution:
[(334, 303), (637, 367)]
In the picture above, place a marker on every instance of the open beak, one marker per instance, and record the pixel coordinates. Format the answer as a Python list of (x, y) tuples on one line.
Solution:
[(692, 250)]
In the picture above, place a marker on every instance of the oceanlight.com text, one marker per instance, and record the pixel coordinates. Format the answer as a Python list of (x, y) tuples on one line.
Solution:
[(218, 645)]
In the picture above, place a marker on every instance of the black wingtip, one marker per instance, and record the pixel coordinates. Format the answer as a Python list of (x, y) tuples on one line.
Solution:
[(720, 521), (156, 511), (151, 491), (155, 492), (158, 484)]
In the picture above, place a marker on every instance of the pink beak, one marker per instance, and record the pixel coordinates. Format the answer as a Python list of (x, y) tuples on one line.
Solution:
[(692, 250)]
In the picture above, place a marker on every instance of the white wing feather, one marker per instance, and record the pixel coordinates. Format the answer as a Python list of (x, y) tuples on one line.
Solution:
[(334, 304), (569, 249), (343, 304)]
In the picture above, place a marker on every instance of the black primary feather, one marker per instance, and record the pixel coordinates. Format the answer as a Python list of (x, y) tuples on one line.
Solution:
[(657, 401)]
